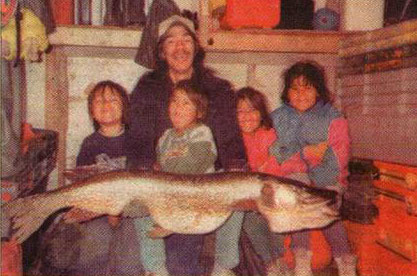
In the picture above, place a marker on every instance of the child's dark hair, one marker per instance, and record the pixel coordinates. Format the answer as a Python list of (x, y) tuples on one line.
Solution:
[(115, 88), (198, 97), (258, 101), (314, 75)]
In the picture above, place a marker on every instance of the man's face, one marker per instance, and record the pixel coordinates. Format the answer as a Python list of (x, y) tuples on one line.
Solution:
[(178, 51)]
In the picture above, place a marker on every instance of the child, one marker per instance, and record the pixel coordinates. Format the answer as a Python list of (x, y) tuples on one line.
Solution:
[(258, 135), (189, 148), (314, 136), (108, 106)]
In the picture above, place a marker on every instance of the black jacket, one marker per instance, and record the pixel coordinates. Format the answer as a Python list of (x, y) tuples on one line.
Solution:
[(149, 119)]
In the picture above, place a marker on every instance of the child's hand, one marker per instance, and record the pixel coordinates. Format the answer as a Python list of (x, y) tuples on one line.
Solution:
[(114, 221), (157, 232), (79, 215), (315, 152), (262, 167), (156, 167)]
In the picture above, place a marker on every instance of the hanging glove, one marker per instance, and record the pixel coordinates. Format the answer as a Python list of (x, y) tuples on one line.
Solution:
[(33, 37)]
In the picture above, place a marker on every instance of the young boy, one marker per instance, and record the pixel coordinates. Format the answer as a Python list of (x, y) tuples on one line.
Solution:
[(112, 241)]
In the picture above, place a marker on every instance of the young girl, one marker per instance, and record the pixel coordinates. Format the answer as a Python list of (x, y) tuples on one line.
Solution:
[(258, 135), (189, 147), (314, 135)]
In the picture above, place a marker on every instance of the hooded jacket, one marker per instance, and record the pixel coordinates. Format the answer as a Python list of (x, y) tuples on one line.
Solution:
[(321, 123)]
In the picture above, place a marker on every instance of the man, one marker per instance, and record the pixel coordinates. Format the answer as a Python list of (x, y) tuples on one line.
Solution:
[(180, 57)]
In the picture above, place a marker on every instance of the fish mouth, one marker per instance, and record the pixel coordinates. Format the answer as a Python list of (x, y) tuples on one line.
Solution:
[(311, 216), (296, 206)]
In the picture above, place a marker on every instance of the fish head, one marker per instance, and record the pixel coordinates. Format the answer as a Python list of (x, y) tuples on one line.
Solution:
[(289, 207)]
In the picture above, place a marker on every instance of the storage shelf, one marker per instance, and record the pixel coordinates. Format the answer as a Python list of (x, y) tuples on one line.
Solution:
[(95, 36), (395, 35), (252, 40)]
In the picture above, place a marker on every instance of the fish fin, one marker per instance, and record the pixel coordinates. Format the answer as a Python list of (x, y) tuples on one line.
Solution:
[(135, 208), (29, 213), (79, 215), (245, 205), (158, 232), (268, 195)]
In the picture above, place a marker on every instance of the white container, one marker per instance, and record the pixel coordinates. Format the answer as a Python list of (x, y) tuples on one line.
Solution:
[(363, 15), (98, 10)]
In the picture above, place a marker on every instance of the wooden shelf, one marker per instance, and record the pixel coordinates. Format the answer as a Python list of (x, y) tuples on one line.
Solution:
[(395, 35), (251, 40), (263, 40), (294, 41), (241, 40), (95, 36)]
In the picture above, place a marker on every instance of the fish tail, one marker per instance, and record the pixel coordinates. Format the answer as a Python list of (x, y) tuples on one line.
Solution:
[(28, 214)]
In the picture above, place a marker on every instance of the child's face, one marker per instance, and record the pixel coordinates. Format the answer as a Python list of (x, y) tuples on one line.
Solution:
[(302, 96), (248, 117), (182, 111), (107, 108)]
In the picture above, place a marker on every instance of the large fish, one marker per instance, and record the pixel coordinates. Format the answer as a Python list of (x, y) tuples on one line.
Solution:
[(187, 204)]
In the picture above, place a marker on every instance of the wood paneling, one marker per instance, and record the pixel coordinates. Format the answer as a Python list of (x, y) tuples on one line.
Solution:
[(382, 113), (56, 104)]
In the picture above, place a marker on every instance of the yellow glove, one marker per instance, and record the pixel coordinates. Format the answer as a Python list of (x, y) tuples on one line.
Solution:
[(33, 37)]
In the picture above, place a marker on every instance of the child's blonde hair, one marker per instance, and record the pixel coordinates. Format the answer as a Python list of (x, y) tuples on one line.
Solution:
[(115, 88)]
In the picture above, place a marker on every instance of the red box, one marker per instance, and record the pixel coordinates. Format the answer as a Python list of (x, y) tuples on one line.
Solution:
[(63, 11), (11, 259), (397, 230), (252, 13), (362, 239), (389, 246)]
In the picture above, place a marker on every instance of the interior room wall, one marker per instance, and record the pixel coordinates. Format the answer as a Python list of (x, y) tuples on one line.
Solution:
[(260, 70)]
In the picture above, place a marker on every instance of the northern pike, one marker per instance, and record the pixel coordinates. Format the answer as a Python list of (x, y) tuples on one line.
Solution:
[(187, 204)]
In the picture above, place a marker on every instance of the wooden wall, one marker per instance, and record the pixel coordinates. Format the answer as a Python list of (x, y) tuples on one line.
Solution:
[(377, 81)]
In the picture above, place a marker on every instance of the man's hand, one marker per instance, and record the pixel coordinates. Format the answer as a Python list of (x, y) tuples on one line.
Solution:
[(114, 221), (79, 215)]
